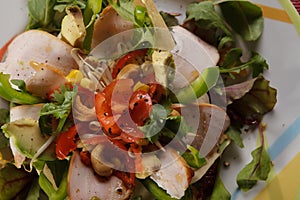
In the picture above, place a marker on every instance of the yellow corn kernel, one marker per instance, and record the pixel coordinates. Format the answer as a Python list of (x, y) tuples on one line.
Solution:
[(75, 76), (141, 86)]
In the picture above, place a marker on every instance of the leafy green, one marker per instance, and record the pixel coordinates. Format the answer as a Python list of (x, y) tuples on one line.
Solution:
[(48, 188), (205, 15), (232, 63), (60, 108), (244, 17), (125, 8), (257, 169), (219, 191), (34, 190), (4, 116), (169, 19), (48, 14), (93, 7), (250, 109), (193, 157), (155, 123), (12, 181), (235, 135), (58, 167)]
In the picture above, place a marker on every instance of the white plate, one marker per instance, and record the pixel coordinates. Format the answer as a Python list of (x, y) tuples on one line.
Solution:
[(280, 45)]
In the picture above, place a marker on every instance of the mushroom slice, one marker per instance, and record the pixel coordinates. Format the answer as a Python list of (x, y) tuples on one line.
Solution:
[(36, 46), (175, 175), (101, 166), (84, 184)]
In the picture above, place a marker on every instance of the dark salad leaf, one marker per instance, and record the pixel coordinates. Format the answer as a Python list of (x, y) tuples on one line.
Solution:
[(13, 181), (169, 19), (250, 109), (244, 17)]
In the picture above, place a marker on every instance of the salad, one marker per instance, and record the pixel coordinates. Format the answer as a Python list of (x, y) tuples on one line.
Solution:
[(118, 100)]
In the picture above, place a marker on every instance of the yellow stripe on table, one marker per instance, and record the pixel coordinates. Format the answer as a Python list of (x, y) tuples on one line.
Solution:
[(286, 185), (275, 13)]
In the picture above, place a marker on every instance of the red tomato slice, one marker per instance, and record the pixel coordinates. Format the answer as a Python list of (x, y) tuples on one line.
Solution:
[(131, 57), (65, 143)]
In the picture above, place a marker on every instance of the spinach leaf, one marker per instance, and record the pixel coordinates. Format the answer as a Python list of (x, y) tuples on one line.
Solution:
[(205, 15), (244, 17), (41, 13), (232, 63), (257, 169)]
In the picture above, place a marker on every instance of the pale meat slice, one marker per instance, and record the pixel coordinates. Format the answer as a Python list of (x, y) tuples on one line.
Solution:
[(191, 56), (108, 24), (175, 175), (36, 46), (84, 184)]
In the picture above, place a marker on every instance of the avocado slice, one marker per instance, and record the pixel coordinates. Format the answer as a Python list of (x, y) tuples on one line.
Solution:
[(26, 136)]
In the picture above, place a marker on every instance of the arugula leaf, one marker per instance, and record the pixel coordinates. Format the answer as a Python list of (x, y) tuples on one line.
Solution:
[(219, 191), (257, 169), (233, 64), (250, 109), (244, 17), (60, 109), (193, 157)]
